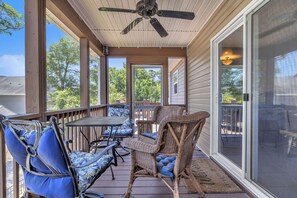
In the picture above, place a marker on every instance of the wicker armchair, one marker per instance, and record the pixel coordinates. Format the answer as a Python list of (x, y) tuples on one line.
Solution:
[(171, 155), (145, 126)]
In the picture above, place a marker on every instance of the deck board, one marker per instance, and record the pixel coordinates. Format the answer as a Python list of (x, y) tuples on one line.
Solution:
[(145, 187)]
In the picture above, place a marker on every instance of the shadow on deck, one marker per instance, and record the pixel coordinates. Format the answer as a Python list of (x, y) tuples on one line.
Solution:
[(145, 187)]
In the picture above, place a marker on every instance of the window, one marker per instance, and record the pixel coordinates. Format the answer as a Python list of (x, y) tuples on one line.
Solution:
[(62, 65), (94, 78), (12, 58), (175, 82)]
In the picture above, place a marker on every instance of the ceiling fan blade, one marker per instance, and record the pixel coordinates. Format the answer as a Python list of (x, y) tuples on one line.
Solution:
[(116, 10), (131, 26), (158, 27), (176, 14)]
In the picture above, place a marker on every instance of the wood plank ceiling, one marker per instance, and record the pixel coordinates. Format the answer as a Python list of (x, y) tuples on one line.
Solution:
[(107, 26)]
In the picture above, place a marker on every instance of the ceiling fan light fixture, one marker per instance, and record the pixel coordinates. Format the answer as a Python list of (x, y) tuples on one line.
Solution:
[(147, 9), (227, 61)]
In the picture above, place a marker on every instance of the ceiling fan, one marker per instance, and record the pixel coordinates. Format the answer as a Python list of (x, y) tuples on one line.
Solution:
[(147, 9)]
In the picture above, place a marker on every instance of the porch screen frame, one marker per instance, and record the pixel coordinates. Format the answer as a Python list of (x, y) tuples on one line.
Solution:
[(135, 66)]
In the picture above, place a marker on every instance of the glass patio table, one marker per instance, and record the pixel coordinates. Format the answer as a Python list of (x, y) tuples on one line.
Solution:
[(100, 121)]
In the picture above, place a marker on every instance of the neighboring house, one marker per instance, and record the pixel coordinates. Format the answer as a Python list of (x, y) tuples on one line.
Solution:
[(5, 111), (12, 95), (177, 81)]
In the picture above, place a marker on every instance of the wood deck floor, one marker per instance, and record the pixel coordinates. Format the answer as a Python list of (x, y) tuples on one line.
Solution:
[(144, 187)]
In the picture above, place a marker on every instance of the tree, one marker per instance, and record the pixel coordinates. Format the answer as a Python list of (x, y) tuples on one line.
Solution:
[(117, 84), (10, 19), (231, 85), (114, 94), (63, 99), (63, 73), (94, 83), (148, 85), (63, 64)]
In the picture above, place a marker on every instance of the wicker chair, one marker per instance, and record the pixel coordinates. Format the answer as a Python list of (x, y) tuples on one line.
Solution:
[(145, 126), (171, 155)]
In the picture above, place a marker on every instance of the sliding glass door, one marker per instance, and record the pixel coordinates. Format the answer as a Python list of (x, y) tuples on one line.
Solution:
[(230, 79), (274, 97), (254, 98)]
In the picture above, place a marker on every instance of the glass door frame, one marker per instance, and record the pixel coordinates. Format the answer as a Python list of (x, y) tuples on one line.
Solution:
[(215, 125), (243, 174)]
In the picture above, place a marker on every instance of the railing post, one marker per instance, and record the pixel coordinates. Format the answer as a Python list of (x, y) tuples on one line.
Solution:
[(35, 56), (85, 84), (165, 82), (16, 179), (2, 162), (103, 81)]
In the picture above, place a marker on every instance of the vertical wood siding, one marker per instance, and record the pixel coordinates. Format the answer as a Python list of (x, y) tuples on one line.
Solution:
[(199, 63)]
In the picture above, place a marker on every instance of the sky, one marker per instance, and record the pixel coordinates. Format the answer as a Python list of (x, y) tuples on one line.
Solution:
[(12, 47), (116, 62)]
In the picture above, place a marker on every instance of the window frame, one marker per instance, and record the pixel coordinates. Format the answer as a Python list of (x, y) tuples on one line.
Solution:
[(175, 84)]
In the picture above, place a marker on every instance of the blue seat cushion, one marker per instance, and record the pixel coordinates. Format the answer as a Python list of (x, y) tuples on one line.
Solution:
[(49, 187), (124, 130), (18, 151), (86, 175), (152, 135), (48, 150), (165, 165), (118, 112), (119, 132)]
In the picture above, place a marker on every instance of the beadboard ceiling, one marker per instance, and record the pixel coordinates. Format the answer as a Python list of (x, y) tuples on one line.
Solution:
[(107, 26)]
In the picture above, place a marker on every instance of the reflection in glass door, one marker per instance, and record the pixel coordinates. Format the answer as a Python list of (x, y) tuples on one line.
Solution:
[(274, 97), (230, 92)]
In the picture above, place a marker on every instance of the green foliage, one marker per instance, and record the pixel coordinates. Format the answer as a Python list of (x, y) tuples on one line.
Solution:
[(10, 19), (231, 85), (63, 99), (148, 85), (63, 64), (94, 65), (63, 74), (229, 98), (117, 84), (115, 95)]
